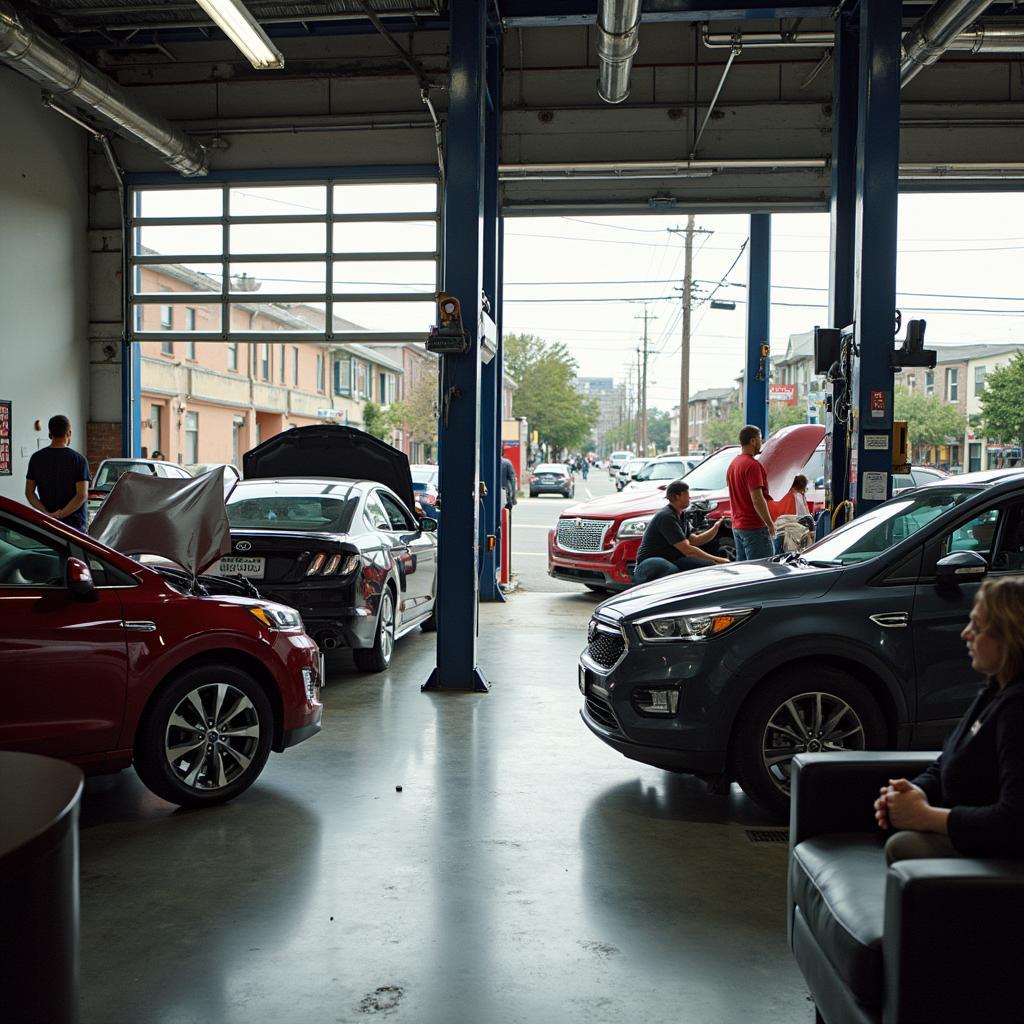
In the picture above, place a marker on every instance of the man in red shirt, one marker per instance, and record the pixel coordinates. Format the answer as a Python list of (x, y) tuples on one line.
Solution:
[(752, 526)]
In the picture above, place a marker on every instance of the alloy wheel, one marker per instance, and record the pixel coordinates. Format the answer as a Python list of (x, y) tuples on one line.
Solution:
[(813, 722), (212, 736), (387, 625)]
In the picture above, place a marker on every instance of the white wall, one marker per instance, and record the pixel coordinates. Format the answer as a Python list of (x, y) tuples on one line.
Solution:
[(44, 366)]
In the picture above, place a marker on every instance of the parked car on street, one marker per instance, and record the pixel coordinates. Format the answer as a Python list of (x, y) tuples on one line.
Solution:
[(626, 471), (109, 663), (231, 474), (425, 481), (919, 476), (322, 523), (616, 461), (109, 471), (552, 478), (595, 543), (728, 672), (658, 472)]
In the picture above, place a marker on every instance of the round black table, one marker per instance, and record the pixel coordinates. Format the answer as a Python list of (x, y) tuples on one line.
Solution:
[(39, 889)]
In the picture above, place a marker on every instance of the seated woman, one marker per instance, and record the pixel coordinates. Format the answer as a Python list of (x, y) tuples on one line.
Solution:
[(786, 513), (970, 802)]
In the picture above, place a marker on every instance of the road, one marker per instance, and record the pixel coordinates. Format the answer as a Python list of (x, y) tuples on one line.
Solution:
[(532, 518)]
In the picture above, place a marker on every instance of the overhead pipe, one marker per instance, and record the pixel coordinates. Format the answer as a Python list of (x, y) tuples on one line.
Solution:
[(40, 57), (618, 37), (929, 39)]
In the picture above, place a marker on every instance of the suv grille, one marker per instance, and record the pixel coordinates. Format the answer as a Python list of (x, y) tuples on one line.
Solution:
[(601, 711), (581, 534), (605, 644)]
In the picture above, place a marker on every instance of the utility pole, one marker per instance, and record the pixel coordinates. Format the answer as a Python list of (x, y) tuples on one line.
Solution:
[(684, 371), (642, 422), (640, 400)]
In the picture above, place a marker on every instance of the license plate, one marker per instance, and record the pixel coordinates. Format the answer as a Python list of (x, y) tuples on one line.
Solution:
[(235, 566)]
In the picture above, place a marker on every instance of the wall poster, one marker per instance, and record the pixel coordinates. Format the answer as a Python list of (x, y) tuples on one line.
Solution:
[(5, 439)]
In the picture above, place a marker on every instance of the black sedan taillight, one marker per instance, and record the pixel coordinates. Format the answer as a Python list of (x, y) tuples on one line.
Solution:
[(325, 564)]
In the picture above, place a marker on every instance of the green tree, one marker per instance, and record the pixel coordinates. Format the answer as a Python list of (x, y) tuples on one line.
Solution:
[(724, 431), (780, 416), (544, 373), (1002, 402), (417, 412), (659, 430), (379, 421), (930, 420)]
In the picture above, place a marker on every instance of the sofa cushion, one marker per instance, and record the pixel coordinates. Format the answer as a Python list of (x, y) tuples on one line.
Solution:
[(838, 882)]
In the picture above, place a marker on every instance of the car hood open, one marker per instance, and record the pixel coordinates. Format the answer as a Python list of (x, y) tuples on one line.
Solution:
[(330, 450), (181, 520)]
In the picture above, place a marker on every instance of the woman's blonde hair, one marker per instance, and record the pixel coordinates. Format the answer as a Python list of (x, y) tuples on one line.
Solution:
[(1003, 601)]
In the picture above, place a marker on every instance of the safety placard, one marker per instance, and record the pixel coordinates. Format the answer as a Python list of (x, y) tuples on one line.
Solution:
[(877, 404), (873, 486), (876, 442), (5, 439)]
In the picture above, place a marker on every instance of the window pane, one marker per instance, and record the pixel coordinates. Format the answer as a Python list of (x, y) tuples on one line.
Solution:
[(277, 200), (178, 240), (386, 197), (384, 316), (179, 202), (157, 278), (273, 238), (153, 317), (385, 276), (386, 236), (254, 317), (279, 278)]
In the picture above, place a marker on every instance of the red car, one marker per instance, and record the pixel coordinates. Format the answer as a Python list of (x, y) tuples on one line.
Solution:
[(596, 543), (106, 663)]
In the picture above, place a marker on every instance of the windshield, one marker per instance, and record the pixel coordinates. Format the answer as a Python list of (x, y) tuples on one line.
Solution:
[(661, 471), (423, 474), (710, 474), (282, 508), (111, 472), (886, 526)]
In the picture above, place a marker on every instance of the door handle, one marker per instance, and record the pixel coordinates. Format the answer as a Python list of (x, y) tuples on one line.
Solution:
[(891, 620)]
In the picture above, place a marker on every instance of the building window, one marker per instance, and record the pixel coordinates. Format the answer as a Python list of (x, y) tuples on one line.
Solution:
[(343, 375), (911, 382), (929, 382), (264, 362), (387, 388), (233, 356), (320, 383), (295, 367), (166, 318), (154, 430), (362, 389), (191, 438), (952, 384), (281, 376), (979, 379), (190, 318), (190, 350), (167, 348)]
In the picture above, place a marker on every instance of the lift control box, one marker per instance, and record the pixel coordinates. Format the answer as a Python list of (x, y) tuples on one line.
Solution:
[(450, 337)]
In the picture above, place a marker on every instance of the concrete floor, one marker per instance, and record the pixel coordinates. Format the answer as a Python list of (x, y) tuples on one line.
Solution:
[(525, 873)]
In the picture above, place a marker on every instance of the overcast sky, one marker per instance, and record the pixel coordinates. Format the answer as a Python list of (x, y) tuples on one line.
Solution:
[(956, 252)]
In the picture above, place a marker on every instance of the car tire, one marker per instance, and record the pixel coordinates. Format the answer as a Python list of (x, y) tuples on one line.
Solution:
[(860, 726), (378, 657), (429, 625), (204, 770), (533, 494), (724, 545)]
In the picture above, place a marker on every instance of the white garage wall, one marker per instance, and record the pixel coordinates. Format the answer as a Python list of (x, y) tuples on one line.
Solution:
[(44, 365)]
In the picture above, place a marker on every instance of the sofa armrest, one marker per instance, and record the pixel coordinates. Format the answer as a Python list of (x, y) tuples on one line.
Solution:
[(951, 946), (835, 792)]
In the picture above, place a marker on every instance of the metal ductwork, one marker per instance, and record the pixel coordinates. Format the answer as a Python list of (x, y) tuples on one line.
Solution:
[(618, 36), (929, 39), (40, 57)]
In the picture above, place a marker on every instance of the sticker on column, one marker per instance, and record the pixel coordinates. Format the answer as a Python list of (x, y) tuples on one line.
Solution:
[(877, 404), (877, 443), (873, 486)]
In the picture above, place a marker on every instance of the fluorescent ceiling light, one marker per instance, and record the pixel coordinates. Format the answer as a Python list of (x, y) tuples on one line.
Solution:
[(244, 31)]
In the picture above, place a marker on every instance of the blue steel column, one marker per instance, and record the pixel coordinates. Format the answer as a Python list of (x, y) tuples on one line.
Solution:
[(759, 282), (459, 421), (878, 143), (845, 64), (490, 373)]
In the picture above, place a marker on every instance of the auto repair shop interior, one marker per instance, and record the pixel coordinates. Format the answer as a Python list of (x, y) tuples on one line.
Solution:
[(466, 851)]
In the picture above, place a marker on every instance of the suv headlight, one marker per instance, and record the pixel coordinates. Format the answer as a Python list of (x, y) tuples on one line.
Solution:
[(634, 527), (277, 616), (699, 625)]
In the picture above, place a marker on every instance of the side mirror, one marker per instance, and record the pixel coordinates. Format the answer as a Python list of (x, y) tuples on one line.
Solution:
[(428, 525), (959, 567), (79, 580)]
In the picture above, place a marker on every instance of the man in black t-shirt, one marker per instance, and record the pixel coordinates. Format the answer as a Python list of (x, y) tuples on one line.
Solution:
[(668, 546), (58, 477)]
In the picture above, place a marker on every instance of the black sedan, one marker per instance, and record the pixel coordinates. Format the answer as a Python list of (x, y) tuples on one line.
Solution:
[(552, 478), (729, 671)]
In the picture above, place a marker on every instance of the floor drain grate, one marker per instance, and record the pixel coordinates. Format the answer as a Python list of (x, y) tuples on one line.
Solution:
[(768, 835)]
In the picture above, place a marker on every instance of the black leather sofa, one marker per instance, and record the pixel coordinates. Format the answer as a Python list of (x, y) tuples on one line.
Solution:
[(924, 942)]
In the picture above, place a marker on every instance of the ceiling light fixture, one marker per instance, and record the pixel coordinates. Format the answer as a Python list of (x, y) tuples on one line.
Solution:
[(245, 32)]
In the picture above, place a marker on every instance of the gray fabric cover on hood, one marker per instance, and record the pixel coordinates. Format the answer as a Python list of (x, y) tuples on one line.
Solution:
[(182, 520)]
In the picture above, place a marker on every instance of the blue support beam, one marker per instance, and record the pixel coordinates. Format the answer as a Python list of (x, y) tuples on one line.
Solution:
[(491, 373), (459, 422), (845, 78), (759, 283), (874, 275)]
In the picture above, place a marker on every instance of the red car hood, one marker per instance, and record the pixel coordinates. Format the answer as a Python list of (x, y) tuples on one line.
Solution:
[(784, 455)]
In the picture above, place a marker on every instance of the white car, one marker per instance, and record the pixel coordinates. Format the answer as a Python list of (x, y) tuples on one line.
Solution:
[(629, 469), (616, 461), (231, 474), (659, 471), (110, 471)]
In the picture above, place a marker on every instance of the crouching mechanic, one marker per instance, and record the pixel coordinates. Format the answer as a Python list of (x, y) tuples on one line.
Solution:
[(668, 546)]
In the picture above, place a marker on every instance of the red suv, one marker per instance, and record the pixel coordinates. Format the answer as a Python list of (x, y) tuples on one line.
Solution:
[(107, 662), (596, 543)]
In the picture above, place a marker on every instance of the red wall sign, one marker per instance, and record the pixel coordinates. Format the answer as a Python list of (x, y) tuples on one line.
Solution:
[(877, 403), (785, 394), (5, 439)]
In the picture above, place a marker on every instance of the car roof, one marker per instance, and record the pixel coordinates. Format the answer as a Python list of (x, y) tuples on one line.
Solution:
[(143, 459), (983, 478), (313, 483)]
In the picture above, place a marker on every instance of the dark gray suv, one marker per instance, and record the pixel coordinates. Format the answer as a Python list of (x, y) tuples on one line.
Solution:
[(729, 671)]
